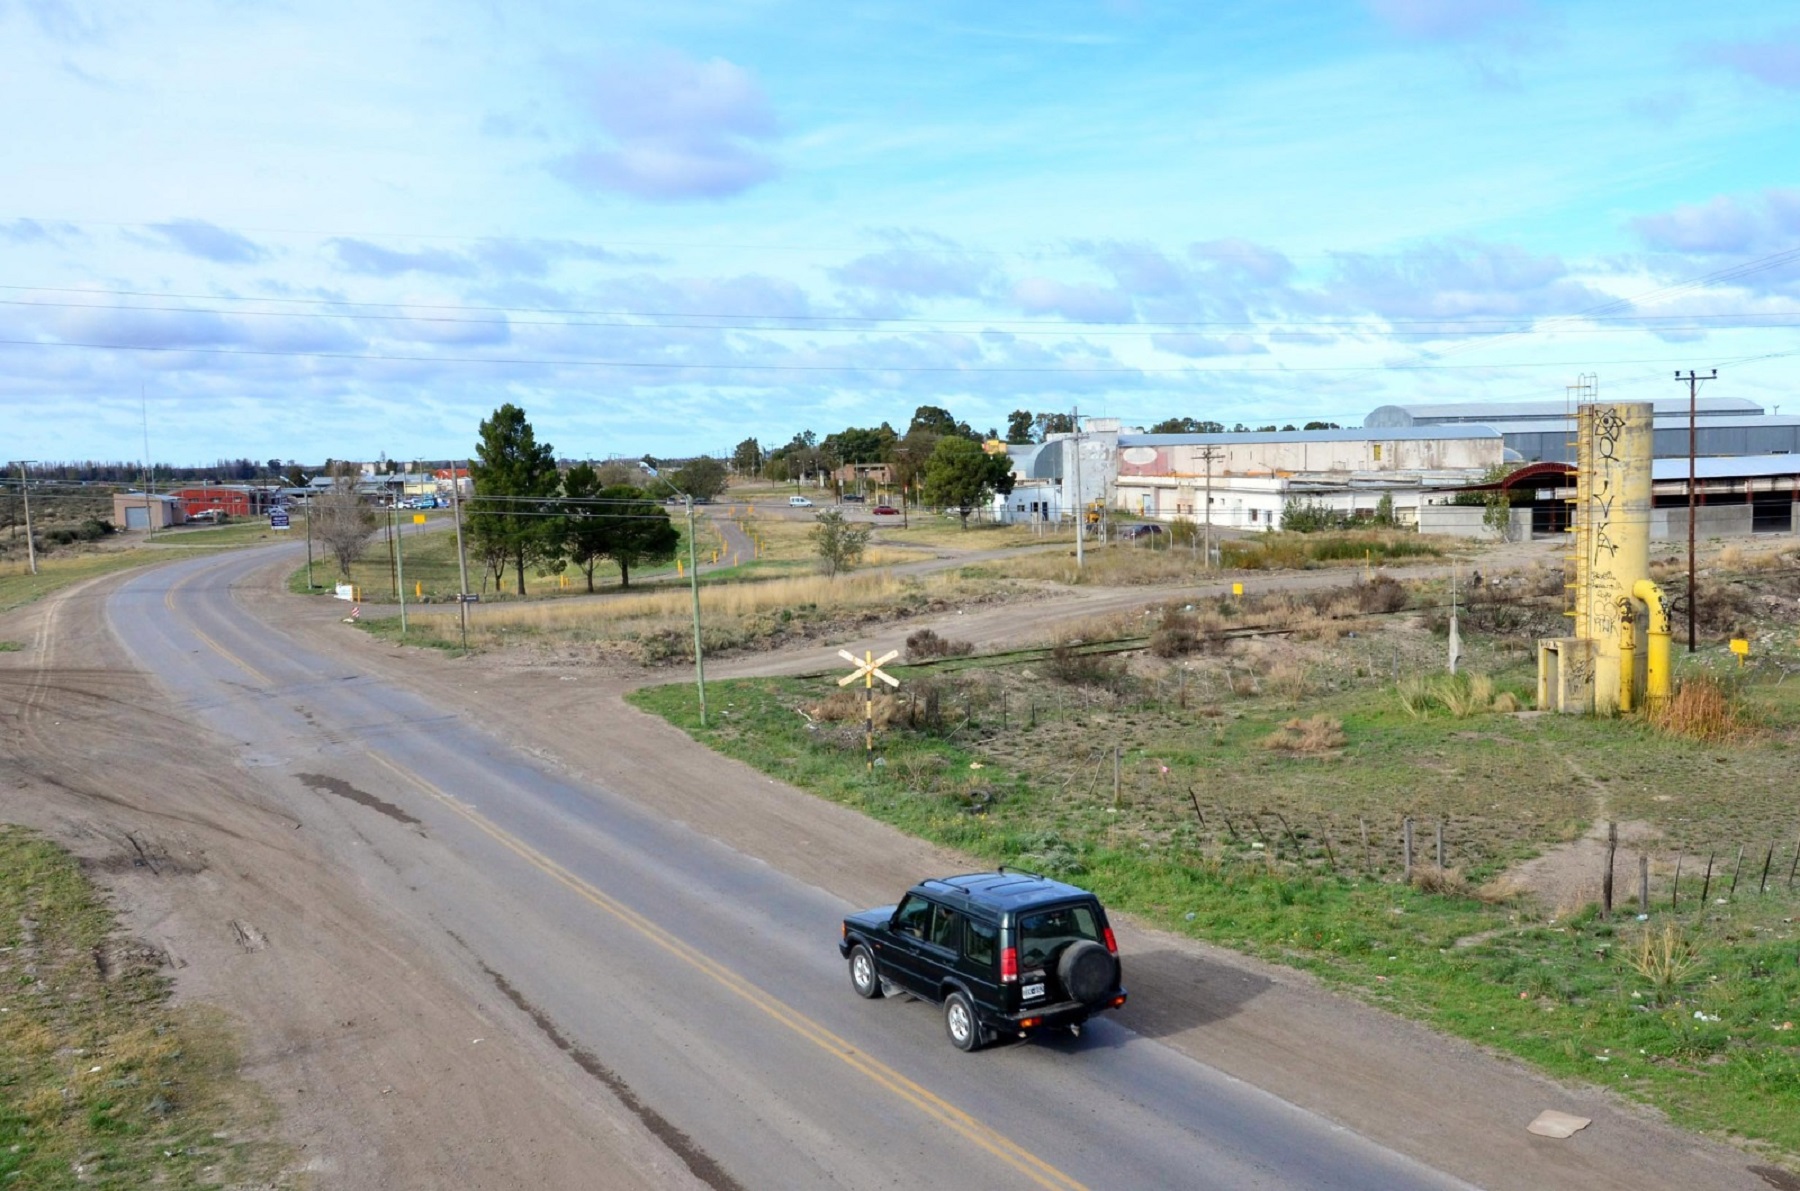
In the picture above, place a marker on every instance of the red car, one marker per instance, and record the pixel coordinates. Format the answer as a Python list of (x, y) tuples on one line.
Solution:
[(885, 511)]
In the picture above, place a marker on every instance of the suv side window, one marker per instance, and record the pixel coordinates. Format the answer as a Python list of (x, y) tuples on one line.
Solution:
[(981, 942), (943, 927), (913, 916)]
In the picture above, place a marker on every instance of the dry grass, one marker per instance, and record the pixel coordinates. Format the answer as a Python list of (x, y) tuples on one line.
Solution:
[(1317, 734), (1702, 709), (1663, 957), (847, 705), (1462, 695), (1449, 882)]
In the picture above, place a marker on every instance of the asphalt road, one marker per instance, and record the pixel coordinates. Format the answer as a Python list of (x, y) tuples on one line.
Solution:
[(701, 986)]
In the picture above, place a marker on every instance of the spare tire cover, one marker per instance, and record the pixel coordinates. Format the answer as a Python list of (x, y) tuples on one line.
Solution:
[(1087, 971)]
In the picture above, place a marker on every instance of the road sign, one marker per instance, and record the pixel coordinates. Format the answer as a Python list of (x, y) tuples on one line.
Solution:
[(278, 518), (418, 518), (869, 667)]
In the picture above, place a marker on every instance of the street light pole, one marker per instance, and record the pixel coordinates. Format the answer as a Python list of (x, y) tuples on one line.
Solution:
[(693, 585), (1693, 380), (25, 491)]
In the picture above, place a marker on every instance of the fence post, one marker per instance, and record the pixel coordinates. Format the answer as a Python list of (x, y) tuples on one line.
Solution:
[(1116, 775), (1738, 868), (1606, 878), (1368, 859), (1675, 893), (1768, 856), (1706, 885), (1440, 845), (1644, 883), (1792, 868), (1406, 849)]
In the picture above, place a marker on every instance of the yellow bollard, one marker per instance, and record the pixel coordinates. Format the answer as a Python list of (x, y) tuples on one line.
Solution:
[(678, 571), (715, 558), (419, 591)]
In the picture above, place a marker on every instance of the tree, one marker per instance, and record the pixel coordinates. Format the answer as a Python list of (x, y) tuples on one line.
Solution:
[(294, 477), (702, 479), (514, 477), (583, 535), (938, 420), (960, 475), (747, 458), (840, 544), (341, 521), (637, 531), (1048, 424), (1019, 427), (1321, 426), (615, 472), (1187, 426)]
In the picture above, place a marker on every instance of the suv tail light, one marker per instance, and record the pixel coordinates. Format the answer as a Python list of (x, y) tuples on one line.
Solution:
[(1009, 965), (1110, 944)]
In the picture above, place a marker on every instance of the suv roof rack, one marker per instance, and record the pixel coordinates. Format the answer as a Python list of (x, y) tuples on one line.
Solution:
[(1021, 872)]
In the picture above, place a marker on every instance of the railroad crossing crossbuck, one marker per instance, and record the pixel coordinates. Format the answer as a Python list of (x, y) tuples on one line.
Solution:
[(869, 668)]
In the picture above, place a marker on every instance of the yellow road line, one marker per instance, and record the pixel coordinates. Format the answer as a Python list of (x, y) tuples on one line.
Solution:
[(234, 659), (1007, 1151)]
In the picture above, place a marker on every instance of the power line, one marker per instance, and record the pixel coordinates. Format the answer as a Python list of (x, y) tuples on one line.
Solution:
[(1385, 328), (905, 369)]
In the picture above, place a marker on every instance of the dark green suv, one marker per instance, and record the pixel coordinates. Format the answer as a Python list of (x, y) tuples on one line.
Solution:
[(1006, 953)]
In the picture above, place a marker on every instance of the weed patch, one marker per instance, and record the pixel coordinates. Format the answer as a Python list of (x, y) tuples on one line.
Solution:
[(101, 1083)]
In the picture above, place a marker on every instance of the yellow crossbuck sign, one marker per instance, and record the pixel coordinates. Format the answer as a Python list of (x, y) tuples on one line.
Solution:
[(869, 668)]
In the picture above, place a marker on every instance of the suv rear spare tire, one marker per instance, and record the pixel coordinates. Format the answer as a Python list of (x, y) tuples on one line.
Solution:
[(1087, 971)]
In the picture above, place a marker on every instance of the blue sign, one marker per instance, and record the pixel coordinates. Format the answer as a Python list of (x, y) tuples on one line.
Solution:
[(278, 518)]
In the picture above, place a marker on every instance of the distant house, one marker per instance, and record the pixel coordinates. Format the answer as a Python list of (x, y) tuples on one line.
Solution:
[(141, 510)]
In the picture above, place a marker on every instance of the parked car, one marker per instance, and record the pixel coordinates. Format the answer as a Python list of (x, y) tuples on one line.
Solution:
[(852, 498), (799, 502), (1133, 532), (885, 511), (1007, 954)]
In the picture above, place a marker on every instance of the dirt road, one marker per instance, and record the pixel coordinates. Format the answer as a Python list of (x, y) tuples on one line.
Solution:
[(365, 1017)]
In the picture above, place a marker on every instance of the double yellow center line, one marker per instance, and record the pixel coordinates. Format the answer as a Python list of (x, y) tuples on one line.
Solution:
[(939, 1109), (933, 1106)]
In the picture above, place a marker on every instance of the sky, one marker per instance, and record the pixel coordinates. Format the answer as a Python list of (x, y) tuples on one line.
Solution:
[(334, 230)]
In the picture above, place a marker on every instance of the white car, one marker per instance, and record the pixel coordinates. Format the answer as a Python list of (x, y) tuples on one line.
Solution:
[(799, 502)]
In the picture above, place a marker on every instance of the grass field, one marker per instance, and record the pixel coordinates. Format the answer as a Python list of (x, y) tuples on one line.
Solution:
[(102, 1083), (18, 586), (656, 626), (427, 562), (1248, 770)]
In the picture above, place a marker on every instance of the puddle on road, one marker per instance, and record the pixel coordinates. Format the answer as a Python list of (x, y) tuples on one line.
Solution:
[(326, 784)]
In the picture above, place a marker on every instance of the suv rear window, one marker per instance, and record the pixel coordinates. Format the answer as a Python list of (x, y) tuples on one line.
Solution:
[(1043, 932)]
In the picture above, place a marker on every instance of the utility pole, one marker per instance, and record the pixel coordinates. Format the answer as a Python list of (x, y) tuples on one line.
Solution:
[(309, 550), (1693, 380), (1080, 503), (25, 491), (1209, 453), (462, 559)]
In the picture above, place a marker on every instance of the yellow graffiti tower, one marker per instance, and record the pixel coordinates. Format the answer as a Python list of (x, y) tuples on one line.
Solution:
[(1618, 659)]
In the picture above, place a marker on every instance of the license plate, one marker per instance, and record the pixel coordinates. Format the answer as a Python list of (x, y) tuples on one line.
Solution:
[(1032, 992)]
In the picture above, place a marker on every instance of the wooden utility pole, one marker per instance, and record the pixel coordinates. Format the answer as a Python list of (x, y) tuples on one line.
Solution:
[(1209, 453), (1693, 380)]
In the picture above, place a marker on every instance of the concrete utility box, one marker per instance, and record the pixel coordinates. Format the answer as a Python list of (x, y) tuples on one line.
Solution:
[(1565, 675)]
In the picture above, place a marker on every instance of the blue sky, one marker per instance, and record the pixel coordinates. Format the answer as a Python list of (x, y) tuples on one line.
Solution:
[(343, 230)]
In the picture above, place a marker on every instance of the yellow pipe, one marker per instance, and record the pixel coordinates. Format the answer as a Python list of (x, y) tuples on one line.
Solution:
[(1627, 653), (1656, 633)]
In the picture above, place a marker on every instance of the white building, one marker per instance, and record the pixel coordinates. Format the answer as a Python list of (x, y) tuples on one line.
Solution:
[(1251, 476)]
